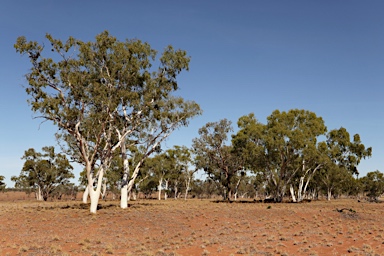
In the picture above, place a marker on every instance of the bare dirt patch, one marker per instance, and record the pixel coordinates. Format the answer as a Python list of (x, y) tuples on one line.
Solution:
[(193, 227)]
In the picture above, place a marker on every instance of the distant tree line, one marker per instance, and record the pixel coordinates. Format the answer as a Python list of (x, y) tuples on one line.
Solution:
[(284, 159)]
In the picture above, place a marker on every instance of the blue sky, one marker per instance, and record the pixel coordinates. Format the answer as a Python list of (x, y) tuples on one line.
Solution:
[(247, 56)]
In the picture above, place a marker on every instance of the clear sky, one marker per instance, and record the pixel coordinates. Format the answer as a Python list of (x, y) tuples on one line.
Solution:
[(247, 56)]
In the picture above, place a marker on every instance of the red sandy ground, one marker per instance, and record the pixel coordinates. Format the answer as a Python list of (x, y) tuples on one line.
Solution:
[(192, 227)]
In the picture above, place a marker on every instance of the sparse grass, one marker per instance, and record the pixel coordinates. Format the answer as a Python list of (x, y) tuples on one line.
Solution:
[(176, 227)]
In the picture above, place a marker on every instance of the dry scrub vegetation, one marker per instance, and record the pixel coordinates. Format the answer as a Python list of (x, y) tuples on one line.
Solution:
[(193, 227)]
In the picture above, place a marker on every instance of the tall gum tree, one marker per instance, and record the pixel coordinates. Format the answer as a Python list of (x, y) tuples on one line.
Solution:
[(44, 172), (215, 156), (104, 92), (343, 156), (284, 148)]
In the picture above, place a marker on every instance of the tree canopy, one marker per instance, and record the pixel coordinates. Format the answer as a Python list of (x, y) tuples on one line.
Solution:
[(44, 172), (106, 92), (215, 156)]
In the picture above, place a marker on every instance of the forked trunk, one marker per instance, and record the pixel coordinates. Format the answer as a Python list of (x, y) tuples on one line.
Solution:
[(95, 194)]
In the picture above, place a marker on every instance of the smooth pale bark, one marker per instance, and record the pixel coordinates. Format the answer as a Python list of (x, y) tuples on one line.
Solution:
[(39, 196), (160, 187), (94, 194), (302, 189), (124, 197), (124, 188), (166, 190), (329, 194), (85, 195), (187, 184), (104, 192), (176, 189), (237, 188), (292, 193), (134, 196), (134, 176)]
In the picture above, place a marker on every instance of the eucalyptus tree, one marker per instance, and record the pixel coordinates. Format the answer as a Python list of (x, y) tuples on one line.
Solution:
[(284, 149), (44, 172), (373, 184), (158, 168), (343, 158), (188, 175), (104, 92), (215, 156), (179, 159)]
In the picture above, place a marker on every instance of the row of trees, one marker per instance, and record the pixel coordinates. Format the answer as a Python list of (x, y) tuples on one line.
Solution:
[(287, 153), (169, 173), (272, 160)]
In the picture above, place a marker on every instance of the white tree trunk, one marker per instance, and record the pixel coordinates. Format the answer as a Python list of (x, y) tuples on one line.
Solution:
[(188, 182), (300, 190), (104, 192), (237, 188), (329, 194), (124, 197), (124, 188), (95, 194), (166, 190), (39, 196), (176, 190), (159, 188), (85, 195), (292, 194)]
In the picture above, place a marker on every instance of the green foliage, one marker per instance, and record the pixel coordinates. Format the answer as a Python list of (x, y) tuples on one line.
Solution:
[(341, 158), (373, 184), (286, 150), (2, 183), (104, 93), (44, 172), (215, 157), (283, 148)]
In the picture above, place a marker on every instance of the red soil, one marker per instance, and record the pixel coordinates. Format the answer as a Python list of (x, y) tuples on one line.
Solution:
[(192, 227)]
